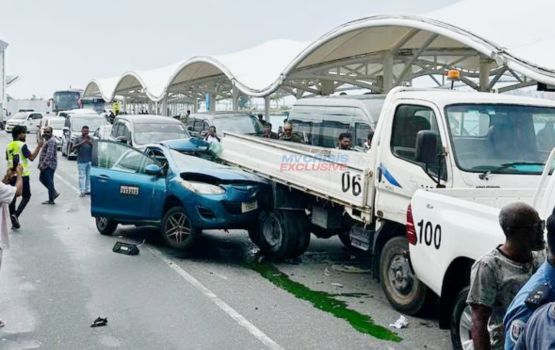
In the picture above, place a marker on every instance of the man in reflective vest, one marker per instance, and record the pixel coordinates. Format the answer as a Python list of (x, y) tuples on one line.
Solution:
[(17, 152)]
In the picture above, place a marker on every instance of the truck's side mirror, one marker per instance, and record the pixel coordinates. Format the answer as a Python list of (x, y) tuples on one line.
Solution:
[(426, 146)]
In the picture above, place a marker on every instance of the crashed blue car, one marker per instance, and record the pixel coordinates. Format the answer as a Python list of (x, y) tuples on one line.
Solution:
[(179, 193)]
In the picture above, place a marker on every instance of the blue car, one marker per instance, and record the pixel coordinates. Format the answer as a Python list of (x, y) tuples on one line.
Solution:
[(179, 193)]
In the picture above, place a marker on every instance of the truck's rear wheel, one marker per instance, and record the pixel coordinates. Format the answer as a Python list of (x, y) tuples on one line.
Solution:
[(403, 290), (280, 234), (461, 322), (302, 234), (345, 238)]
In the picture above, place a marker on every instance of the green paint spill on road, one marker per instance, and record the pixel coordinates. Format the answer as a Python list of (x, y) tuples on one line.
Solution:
[(325, 302)]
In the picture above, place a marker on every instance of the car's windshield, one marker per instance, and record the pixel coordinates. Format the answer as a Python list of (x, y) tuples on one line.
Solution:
[(93, 122), (19, 116), (56, 123), (145, 133), (241, 124), (501, 138)]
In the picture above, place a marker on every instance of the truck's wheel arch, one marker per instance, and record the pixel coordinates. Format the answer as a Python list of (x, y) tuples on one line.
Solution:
[(456, 278), (389, 230)]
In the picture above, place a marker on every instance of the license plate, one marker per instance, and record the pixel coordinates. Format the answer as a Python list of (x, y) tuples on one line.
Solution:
[(249, 206)]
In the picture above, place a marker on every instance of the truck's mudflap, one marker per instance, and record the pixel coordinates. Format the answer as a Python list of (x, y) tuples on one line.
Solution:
[(361, 238)]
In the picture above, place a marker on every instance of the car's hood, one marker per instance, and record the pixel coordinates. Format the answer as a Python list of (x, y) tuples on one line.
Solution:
[(198, 169), (57, 133), (16, 121), (189, 145)]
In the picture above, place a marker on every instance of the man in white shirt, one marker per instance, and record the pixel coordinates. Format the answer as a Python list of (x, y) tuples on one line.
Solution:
[(7, 194), (211, 137)]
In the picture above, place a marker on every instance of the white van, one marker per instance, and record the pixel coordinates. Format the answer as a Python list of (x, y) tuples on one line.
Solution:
[(320, 120)]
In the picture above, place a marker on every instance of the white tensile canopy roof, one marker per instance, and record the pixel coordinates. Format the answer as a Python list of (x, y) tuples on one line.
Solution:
[(495, 44)]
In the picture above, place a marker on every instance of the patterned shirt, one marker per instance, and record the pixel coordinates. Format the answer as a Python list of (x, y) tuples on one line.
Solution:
[(494, 281), (48, 155)]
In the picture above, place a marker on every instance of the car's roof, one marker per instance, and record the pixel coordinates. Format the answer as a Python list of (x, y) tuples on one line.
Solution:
[(147, 119)]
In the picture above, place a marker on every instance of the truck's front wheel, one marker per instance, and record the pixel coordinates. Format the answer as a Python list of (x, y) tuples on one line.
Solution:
[(461, 322), (403, 290)]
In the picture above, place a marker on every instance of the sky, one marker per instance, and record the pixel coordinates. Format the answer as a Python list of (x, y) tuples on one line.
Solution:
[(55, 44)]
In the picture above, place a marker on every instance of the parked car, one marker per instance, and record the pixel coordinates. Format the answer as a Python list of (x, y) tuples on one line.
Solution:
[(140, 130), (72, 129), (241, 123), (57, 124), (30, 120), (179, 193), (65, 114)]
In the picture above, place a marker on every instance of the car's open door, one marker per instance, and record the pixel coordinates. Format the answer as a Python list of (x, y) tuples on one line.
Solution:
[(120, 187)]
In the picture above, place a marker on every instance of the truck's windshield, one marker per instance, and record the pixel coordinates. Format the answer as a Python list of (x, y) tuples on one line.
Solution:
[(507, 139)]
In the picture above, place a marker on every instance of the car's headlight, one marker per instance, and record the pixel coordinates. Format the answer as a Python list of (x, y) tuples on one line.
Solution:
[(202, 188)]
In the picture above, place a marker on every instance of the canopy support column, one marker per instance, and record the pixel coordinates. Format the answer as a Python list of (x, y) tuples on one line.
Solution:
[(211, 102), (235, 99), (267, 108), (387, 72), (485, 67), (164, 110)]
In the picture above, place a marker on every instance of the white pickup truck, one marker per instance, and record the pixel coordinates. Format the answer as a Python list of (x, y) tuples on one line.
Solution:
[(449, 229), (424, 139)]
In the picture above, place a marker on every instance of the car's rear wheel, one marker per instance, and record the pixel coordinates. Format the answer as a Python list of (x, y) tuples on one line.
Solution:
[(461, 322), (401, 287), (105, 226), (177, 230)]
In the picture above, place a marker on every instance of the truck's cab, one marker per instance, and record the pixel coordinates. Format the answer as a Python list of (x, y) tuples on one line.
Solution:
[(428, 139)]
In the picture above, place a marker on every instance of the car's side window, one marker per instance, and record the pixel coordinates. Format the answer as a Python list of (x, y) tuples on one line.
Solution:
[(120, 157)]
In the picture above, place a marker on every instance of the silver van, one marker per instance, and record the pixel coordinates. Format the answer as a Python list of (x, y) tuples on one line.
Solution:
[(320, 120)]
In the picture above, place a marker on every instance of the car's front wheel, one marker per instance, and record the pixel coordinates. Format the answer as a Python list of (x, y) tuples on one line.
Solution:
[(105, 226), (461, 322), (177, 230)]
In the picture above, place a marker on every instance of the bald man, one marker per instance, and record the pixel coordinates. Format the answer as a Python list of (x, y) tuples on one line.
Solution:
[(497, 276)]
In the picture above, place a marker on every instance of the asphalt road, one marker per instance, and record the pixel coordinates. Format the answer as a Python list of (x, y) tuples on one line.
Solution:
[(60, 274)]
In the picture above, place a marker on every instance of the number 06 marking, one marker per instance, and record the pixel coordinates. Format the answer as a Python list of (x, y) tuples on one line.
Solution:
[(351, 183)]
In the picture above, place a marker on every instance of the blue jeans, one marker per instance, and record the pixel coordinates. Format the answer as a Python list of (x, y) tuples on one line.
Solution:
[(84, 176), (47, 179)]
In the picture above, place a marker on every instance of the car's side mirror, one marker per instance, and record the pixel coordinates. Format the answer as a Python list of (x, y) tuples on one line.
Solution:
[(426, 146), (189, 128), (153, 169)]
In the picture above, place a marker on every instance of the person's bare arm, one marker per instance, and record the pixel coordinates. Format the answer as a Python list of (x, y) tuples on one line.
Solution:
[(480, 334), (19, 180), (36, 150)]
